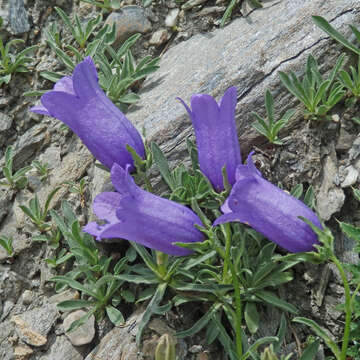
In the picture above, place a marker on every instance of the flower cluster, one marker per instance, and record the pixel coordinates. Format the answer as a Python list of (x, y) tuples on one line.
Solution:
[(137, 215)]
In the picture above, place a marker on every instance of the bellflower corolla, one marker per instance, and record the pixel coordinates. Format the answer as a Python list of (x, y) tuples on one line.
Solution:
[(137, 215), (269, 210), (216, 136), (80, 103)]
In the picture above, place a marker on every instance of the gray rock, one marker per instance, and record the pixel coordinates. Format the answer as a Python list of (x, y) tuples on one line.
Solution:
[(33, 326), (159, 37), (172, 17), (344, 141), (62, 349), (330, 198), (12, 284), (247, 54), (28, 144), (192, 3), (6, 332), (5, 200), (129, 20), (68, 294), (350, 177), (119, 343), (83, 334), (19, 23), (5, 122)]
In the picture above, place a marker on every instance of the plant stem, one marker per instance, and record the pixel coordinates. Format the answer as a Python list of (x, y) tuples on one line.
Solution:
[(161, 260), (227, 232), (238, 310), (348, 312)]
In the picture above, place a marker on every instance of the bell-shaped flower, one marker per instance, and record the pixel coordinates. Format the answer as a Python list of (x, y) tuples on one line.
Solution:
[(269, 210), (136, 215), (216, 136), (80, 103)]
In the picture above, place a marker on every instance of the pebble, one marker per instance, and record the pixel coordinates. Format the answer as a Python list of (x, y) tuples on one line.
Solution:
[(129, 20), (172, 18), (5, 122), (18, 17), (27, 297), (159, 37), (27, 334), (83, 334), (350, 177), (22, 352), (211, 10), (192, 3), (68, 294)]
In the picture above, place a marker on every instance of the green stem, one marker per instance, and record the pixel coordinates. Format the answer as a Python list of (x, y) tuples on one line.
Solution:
[(355, 293), (238, 310), (348, 311), (227, 232)]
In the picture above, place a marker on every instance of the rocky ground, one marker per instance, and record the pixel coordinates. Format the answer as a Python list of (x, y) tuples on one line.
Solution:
[(196, 57)]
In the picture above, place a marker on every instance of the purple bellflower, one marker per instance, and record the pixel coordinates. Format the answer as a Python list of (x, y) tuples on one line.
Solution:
[(137, 215), (80, 103), (269, 210), (216, 136)]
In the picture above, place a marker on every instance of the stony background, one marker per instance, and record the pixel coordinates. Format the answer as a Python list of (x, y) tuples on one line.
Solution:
[(195, 58)]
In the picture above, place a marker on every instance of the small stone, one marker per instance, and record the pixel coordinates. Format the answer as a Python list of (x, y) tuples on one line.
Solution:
[(159, 37), (62, 349), (129, 20), (335, 118), (192, 3), (83, 334), (27, 334), (27, 297), (195, 349), (68, 294), (22, 352), (172, 17), (344, 141), (5, 122), (19, 23), (211, 10), (351, 177), (34, 325)]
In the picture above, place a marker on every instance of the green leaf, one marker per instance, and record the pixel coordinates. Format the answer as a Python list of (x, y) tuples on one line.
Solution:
[(201, 323), (115, 316), (297, 191), (311, 351), (325, 26), (350, 231), (162, 165), (280, 334), (68, 305), (151, 309), (320, 332), (251, 317), (272, 299), (256, 344)]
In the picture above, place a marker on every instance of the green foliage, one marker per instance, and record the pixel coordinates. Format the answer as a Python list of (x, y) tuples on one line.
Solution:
[(11, 63), (38, 215), (118, 71), (106, 5), (317, 94), (93, 274), (325, 26), (42, 169), (351, 81), (271, 127), (256, 4), (17, 180), (78, 188), (6, 243)]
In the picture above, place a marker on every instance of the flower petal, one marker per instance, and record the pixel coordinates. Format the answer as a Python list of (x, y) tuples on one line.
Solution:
[(216, 135), (81, 104)]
